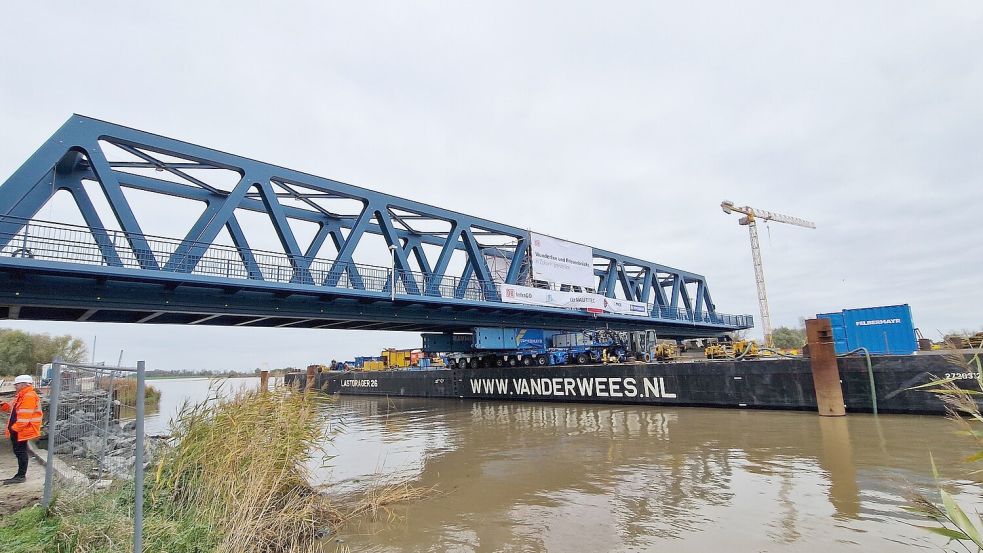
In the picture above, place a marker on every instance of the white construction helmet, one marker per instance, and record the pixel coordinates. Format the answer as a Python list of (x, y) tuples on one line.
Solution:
[(24, 379)]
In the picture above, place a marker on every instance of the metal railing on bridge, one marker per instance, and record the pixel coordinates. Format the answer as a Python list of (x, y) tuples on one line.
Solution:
[(65, 243)]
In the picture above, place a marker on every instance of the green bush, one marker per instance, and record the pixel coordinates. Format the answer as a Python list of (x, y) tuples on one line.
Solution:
[(21, 352), (788, 338)]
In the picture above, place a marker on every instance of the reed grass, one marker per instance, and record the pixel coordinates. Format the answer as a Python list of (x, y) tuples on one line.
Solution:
[(375, 502), (233, 480), (126, 392), (240, 462), (950, 518)]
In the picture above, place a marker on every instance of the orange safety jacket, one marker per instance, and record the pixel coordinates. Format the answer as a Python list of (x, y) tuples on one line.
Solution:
[(27, 407)]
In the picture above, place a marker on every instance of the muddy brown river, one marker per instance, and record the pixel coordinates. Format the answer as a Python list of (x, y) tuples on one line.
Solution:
[(597, 478), (593, 478)]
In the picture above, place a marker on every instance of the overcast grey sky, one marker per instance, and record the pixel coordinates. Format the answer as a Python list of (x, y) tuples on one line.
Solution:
[(620, 125)]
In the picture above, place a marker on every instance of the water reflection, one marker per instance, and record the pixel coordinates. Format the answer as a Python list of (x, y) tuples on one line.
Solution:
[(836, 459), (566, 477)]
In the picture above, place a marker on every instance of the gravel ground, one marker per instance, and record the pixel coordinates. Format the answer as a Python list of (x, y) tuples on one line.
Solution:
[(17, 496)]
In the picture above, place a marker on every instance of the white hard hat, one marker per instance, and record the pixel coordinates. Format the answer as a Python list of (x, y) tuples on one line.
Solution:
[(24, 379)]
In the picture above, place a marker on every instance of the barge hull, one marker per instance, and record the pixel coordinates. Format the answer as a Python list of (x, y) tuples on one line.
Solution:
[(763, 384)]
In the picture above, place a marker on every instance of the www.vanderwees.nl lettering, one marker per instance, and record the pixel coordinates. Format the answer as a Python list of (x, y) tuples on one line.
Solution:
[(630, 387)]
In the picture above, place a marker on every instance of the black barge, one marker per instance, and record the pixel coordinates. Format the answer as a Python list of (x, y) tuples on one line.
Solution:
[(753, 384)]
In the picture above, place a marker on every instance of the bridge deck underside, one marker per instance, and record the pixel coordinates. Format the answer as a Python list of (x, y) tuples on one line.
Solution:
[(67, 296)]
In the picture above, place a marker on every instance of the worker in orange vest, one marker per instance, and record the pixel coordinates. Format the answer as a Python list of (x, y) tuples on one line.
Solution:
[(24, 423)]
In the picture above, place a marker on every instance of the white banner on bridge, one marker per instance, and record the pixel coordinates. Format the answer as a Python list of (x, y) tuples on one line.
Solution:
[(625, 307), (551, 298), (562, 262), (571, 300)]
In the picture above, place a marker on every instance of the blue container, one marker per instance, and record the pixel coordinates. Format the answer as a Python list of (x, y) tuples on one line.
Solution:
[(530, 338), (446, 343), (883, 330), (487, 338), (494, 338)]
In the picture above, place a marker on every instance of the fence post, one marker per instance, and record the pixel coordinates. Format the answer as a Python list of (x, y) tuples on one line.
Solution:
[(110, 391), (264, 381), (49, 467), (138, 466)]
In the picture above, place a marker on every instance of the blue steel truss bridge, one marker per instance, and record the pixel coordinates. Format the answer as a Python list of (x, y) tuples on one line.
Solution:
[(446, 267)]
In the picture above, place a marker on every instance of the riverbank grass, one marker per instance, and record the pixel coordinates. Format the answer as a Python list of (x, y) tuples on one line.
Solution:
[(126, 392), (234, 479), (102, 522)]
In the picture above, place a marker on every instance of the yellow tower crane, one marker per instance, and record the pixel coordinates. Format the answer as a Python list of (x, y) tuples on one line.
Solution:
[(750, 216)]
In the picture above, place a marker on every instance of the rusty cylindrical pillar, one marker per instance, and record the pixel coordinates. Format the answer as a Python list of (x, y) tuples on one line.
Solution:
[(264, 381), (311, 374), (825, 372)]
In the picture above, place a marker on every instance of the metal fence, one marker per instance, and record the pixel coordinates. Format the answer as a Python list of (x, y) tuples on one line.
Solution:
[(95, 431)]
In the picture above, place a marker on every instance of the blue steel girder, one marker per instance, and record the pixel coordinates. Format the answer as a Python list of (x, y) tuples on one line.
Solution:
[(94, 222), (76, 153), (106, 177), (245, 252)]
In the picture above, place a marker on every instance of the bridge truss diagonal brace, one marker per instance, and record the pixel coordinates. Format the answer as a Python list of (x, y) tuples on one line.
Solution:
[(106, 246), (450, 244), (344, 261), (299, 262), (245, 253), (400, 258), (120, 206), (476, 260), (414, 247), (660, 293), (626, 284), (185, 258)]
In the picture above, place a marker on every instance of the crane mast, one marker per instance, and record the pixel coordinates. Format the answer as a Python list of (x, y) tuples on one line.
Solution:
[(750, 216), (759, 277)]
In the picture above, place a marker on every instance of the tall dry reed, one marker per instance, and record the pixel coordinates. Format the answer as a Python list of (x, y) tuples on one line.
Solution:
[(964, 408), (240, 464), (126, 391)]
